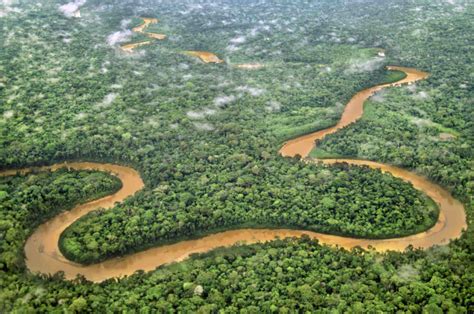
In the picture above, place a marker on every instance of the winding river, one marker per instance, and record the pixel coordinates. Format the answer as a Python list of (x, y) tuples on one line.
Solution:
[(43, 255), (141, 29), (204, 56)]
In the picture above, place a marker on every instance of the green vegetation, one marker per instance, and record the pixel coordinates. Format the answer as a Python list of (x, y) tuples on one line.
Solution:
[(295, 123), (394, 76), (322, 154), (281, 276), (397, 130), (337, 201), (27, 201), (205, 139)]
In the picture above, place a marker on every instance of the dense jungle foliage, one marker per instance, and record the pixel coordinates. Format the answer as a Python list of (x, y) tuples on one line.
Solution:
[(205, 139), (226, 173), (28, 200), (284, 276), (341, 201)]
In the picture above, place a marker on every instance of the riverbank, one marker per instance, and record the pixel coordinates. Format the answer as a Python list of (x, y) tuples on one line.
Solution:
[(43, 254)]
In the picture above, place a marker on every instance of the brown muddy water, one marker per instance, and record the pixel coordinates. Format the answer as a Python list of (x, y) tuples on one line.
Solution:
[(205, 56), (131, 47), (146, 22), (141, 29), (43, 255)]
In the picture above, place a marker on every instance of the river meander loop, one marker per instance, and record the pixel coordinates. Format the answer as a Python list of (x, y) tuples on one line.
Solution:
[(43, 254)]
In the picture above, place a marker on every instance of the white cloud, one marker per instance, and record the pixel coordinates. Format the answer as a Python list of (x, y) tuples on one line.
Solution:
[(232, 48), (122, 35), (209, 111), (251, 90), (422, 95), (80, 116), (203, 126), (187, 77), (200, 114), (408, 272), (108, 100), (195, 115), (254, 32), (224, 100), (379, 96), (119, 37), (124, 23), (411, 88), (183, 66), (358, 66), (8, 114), (273, 106), (238, 40), (421, 122), (191, 8), (234, 42), (7, 8), (70, 9)]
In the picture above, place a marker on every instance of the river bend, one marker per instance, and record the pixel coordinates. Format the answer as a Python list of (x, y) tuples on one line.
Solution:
[(43, 254)]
